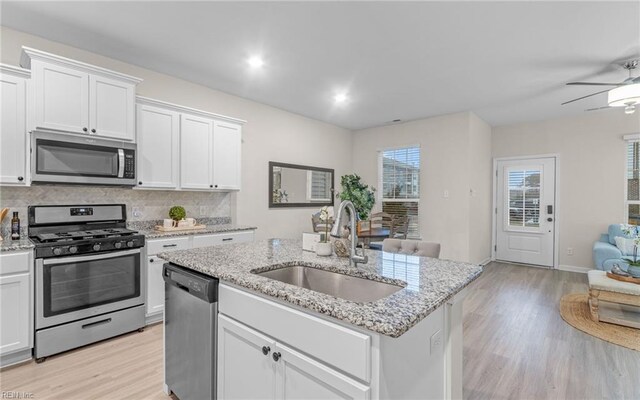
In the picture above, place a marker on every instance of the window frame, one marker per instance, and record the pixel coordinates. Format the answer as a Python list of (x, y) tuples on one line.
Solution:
[(628, 139), (380, 193)]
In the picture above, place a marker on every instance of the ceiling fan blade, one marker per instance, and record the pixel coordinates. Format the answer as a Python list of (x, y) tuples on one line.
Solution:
[(595, 84), (597, 108), (584, 97), (636, 79)]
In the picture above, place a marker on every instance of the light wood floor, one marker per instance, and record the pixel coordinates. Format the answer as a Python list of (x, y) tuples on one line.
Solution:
[(516, 347)]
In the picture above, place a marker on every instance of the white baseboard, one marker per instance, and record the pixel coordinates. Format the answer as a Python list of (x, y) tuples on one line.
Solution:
[(573, 268), (485, 261)]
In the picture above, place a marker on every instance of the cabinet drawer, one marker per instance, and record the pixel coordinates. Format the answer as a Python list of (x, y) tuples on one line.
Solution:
[(156, 246), (222, 238), (13, 263), (333, 344)]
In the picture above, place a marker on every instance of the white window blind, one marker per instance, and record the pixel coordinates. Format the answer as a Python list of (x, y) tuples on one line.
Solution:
[(633, 182), (319, 186), (400, 182)]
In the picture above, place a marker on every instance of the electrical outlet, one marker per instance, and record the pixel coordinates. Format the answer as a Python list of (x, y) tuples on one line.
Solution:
[(569, 251), (445, 194), (435, 341), (203, 211), (135, 212)]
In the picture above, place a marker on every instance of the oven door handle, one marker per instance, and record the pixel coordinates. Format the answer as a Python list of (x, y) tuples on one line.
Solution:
[(120, 163), (103, 256)]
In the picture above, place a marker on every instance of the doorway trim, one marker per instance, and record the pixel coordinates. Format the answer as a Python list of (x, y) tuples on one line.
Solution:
[(556, 219)]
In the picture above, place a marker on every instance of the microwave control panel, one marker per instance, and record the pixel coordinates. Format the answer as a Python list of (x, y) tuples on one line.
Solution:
[(129, 164)]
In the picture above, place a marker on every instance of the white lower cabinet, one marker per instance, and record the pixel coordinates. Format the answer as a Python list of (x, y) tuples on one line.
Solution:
[(319, 358), (245, 365), (274, 370), (16, 306), (155, 286)]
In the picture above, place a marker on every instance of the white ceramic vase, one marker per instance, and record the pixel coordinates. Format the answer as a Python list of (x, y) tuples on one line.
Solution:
[(324, 249)]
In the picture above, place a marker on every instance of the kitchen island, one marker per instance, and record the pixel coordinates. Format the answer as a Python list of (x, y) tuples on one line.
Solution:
[(277, 340)]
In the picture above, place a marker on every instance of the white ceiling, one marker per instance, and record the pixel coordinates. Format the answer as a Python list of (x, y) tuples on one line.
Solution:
[(505, 61)]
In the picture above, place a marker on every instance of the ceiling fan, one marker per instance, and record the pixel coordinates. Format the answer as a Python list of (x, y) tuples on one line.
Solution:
[(625, 94)]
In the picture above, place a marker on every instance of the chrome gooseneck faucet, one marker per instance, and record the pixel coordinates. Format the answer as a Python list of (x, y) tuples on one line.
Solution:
[(354, 258)]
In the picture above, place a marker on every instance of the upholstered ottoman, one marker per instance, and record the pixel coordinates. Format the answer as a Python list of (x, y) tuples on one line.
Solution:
[(624, 296)]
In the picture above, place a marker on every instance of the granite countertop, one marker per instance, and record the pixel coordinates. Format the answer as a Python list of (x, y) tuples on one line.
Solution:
[(216, 228), (16, 245), (428, 282)]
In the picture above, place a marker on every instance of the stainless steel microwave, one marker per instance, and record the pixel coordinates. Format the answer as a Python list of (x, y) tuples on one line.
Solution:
[(63, 158)]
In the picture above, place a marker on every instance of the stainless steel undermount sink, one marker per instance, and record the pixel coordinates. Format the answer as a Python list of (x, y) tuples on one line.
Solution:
[(343, 286)]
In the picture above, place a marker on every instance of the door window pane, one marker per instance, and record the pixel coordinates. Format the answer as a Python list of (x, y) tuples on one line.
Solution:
[(524, 198)]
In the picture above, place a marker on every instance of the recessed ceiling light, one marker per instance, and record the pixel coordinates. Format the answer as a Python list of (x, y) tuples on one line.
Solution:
[(340, 98), (255, 62)]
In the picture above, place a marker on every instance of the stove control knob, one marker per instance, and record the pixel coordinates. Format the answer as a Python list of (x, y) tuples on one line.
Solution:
[(57, 251), (73, 249), (130, 243), (118, 245), (96, 247)]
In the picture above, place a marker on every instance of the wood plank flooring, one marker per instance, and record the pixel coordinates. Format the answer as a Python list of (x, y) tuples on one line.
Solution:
[(516, 347)]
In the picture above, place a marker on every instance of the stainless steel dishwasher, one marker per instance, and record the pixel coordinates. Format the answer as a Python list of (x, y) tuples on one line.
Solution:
[(190, 325)]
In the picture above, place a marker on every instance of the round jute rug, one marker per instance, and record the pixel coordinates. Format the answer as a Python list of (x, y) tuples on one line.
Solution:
[(574, 309)]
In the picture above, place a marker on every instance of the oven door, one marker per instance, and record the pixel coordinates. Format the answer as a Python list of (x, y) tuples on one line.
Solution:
[(77, 287)]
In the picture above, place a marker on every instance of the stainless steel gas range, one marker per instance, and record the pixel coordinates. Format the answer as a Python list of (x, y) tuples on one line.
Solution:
[(88, 276)]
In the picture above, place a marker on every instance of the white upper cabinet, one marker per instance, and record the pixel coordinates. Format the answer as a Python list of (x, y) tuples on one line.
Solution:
[(61, 97), (187, 149), (75, 97), (157, 136), (111, 110), (13, 133), (227, 142), (196, 137)]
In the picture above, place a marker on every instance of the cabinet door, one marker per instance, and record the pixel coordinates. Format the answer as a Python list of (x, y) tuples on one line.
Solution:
[(157, 137), (112, 108), (196, 135), (61, 97), (15, 304), (227, 143), (13, 135), (155, 286), (300, 377), (244, 371)]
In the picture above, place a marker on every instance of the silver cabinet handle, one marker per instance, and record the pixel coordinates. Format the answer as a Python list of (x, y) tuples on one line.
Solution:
[(170, 245)]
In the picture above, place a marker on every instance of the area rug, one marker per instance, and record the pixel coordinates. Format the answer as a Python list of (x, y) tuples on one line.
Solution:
[(574, 309)]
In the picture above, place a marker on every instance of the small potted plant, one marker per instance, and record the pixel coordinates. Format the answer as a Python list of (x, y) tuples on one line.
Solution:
[(324, 248), (634, 264), (177, 214)]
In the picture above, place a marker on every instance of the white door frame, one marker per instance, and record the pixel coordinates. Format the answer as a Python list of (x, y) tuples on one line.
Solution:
[(556, 216)]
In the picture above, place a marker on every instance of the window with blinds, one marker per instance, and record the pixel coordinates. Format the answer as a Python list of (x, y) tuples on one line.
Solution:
[(400, 182), (633, 182), (319, 186)]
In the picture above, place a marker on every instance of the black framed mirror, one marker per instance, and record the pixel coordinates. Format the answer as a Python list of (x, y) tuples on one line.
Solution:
[(292, 185)]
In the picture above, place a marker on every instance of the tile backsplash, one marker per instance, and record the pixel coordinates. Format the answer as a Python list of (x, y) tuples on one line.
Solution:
[(150, 204)]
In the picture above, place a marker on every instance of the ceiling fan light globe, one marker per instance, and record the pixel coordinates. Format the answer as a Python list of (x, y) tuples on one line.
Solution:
[(623, 96)]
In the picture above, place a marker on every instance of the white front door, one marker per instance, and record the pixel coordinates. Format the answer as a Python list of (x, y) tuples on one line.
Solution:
[(525, 211)]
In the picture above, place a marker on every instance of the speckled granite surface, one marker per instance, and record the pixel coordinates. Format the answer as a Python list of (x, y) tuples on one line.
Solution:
[(151, 224), (16, 245), (428, 282), (151, 234)]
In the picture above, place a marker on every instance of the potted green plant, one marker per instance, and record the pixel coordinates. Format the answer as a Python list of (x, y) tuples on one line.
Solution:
[(362, 197), (177, 214), (634, 264)]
